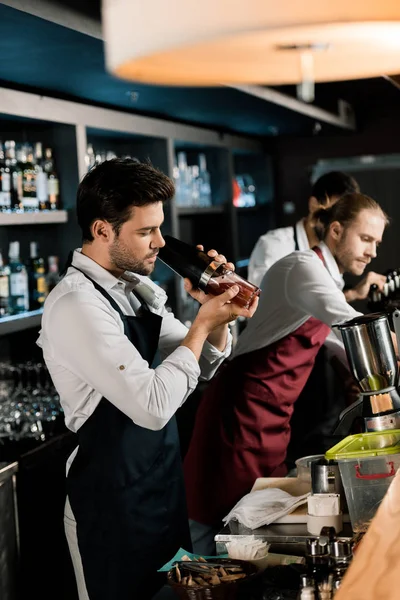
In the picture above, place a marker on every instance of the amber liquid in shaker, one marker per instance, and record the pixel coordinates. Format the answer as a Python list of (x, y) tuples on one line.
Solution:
[(223, 279)]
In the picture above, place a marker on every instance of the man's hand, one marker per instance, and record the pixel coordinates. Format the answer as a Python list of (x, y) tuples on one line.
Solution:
[(197, 294), (361, 290), (220, 310)]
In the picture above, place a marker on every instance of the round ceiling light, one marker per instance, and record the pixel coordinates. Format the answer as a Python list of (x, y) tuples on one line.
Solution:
[(211, 42)]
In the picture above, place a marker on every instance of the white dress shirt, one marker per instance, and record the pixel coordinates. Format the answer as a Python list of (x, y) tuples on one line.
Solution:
[(272, 246), (299, 286), (89, 356)]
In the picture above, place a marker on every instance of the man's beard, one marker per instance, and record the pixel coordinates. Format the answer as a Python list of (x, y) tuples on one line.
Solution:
[(122, 258)]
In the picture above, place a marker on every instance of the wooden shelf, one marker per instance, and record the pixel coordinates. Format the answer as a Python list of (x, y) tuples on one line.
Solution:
[(26, 320), (186, 211), (34, 218)]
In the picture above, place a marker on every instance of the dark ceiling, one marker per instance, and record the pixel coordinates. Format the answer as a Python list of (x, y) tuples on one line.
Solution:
[(39, 55)]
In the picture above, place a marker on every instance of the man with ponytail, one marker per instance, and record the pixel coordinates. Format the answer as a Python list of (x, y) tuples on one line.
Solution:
[(242, 429)]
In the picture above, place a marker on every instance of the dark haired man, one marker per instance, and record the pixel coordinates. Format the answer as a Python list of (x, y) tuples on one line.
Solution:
[(101, 327), (242, 427)]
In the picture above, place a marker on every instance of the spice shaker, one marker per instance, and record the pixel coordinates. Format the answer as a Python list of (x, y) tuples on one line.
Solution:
[(204, 272)]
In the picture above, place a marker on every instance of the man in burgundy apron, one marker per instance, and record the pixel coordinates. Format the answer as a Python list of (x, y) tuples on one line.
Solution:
[(242, 425), (242, 428)]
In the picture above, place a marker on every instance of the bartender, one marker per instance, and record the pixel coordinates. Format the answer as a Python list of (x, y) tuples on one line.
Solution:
[(328, 389), (242, 428), (101, 328)]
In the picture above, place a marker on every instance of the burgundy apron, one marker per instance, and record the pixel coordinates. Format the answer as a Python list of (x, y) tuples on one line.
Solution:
[(242, 426)]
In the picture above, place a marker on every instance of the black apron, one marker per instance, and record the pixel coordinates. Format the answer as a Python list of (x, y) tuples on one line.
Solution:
[(126, 489)]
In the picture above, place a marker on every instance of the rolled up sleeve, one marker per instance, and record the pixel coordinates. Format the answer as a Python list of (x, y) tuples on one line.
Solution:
[(90, 343)]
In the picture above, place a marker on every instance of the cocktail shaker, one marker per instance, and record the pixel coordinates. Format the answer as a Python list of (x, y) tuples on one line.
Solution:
[(204, 272)]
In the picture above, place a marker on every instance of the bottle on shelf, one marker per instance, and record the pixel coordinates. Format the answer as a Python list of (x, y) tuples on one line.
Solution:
[(29, 196), (53, 275), (4, 288), (183, 191), (53, 181), (37, 279), (42, 184), (15, 179), (204, 182), (19, 287), (5, 182)]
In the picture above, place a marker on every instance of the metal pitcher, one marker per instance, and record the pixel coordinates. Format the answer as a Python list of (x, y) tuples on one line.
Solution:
[(370, 351)]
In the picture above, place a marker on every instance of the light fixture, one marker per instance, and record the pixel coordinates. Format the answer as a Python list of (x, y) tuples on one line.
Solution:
[(209, 42)]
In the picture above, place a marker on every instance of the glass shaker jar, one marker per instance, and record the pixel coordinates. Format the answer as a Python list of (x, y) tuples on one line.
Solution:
[(212, 277)]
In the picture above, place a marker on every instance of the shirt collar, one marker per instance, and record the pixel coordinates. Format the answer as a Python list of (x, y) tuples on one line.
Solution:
[(151, 293), (302, 238), (332, 265)]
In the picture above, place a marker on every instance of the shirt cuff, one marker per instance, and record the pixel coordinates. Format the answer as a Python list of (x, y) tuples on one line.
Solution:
[(211, 354)]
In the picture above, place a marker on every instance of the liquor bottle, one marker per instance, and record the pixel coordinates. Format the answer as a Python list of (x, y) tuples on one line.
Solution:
[(53, 181), (53, 275), (19, 288), (16, 182), (90, 159), (206, 274), (42, 187), (37, 279), (204, 177), (29, 196), (4, 288), (5, 182)]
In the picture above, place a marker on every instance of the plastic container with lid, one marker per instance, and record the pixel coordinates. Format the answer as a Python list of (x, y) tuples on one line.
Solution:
[(368, 463)]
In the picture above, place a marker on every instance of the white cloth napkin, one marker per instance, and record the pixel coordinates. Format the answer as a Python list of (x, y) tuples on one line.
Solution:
[(264, 507)]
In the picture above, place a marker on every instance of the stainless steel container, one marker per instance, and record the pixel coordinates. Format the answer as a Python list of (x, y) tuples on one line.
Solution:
[(369, 348), (9, 539)]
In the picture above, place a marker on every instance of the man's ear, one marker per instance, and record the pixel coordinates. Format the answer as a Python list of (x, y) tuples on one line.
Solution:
[(336, 230), (101, 230)]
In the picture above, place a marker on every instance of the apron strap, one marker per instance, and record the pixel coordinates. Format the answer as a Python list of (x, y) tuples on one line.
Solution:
[(296, 240), (318, 252), (102, 291)]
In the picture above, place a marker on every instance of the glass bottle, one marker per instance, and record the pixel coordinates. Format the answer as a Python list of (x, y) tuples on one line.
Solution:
[(4, 288), (204, 182), (341, 553), (5, 182), (317, 560), (53, 181), (204, 273), (37, 279), (42, 188), (19, 289), (53, 275), (29, 196), (15, 178)]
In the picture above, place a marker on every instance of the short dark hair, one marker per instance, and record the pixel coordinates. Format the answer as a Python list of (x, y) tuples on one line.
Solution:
[(345, 211), (112, 188), (334, 183)]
